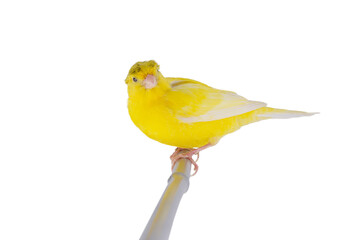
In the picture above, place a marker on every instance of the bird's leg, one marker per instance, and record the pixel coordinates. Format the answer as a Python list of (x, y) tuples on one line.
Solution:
[(177, 150), (186, 154), (174, 158), (177, 155)]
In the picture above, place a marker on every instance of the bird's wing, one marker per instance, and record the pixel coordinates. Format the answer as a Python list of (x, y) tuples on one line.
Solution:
[(192, 101)]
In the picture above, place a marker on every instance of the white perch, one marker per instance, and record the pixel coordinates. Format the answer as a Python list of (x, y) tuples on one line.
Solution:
[(161, 221)]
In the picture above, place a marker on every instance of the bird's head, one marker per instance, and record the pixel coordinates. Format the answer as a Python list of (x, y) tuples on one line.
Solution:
[(144, 75)]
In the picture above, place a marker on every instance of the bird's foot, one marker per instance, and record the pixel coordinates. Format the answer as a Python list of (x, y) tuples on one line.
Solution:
[(177, 150), (186, 154)]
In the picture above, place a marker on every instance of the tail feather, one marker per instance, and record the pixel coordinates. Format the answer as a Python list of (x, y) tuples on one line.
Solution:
[(282, 113)]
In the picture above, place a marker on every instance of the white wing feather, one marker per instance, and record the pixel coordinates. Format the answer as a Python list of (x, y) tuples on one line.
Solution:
[(231, 105)]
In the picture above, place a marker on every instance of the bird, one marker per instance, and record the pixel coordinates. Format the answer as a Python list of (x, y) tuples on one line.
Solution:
[(188, 114)]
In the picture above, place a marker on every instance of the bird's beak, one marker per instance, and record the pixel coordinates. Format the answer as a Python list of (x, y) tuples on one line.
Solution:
[(150, 81)]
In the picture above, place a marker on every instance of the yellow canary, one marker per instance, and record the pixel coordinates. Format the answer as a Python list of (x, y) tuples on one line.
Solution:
[(189, 114)]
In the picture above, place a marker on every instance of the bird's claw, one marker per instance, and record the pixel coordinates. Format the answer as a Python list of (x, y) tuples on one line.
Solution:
[(176, 156)]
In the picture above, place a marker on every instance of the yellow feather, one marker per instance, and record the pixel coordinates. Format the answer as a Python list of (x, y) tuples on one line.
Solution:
[(186, 113)]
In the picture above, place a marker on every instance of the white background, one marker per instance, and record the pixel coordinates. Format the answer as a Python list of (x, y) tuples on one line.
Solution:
[(73, 165)]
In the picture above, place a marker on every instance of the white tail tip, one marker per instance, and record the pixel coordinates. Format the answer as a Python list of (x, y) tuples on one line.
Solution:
[(286, 114)]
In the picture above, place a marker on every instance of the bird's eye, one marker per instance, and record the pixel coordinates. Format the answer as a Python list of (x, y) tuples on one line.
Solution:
[(134, 79)]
